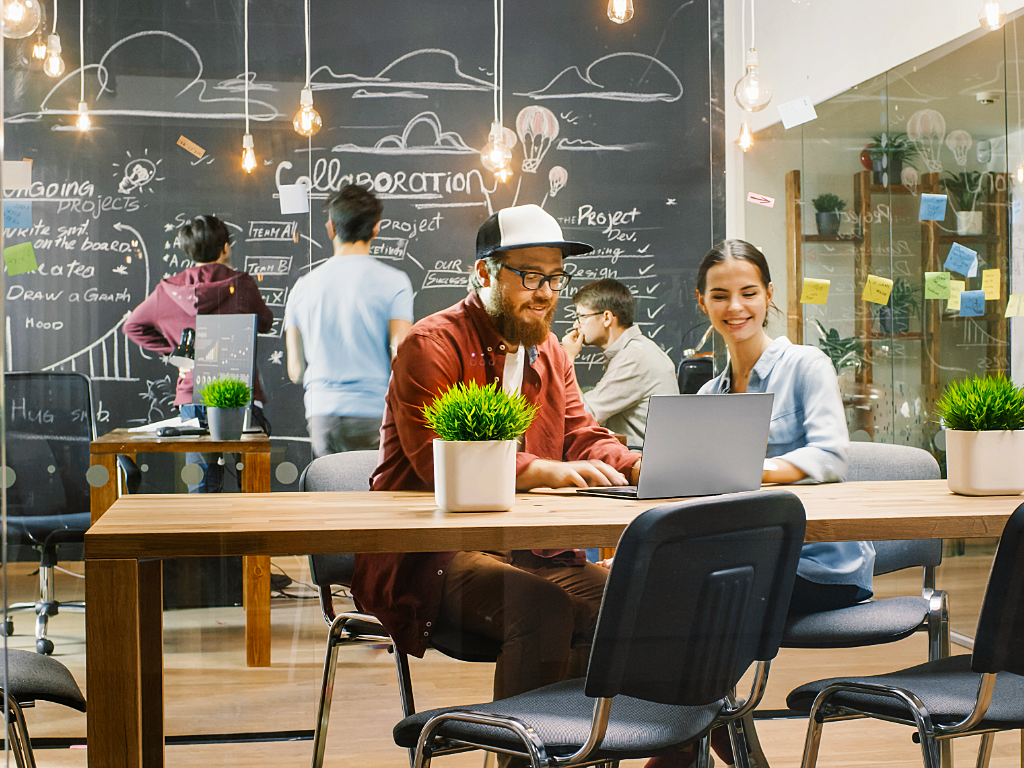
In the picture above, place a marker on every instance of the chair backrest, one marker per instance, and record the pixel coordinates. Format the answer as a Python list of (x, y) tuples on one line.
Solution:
[(997, 642), (882, 461), (49, 426), (693, 373), (699, 591), (349, 471)]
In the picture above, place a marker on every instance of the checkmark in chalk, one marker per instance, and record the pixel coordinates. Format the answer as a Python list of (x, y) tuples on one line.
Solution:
[(652, 315), (647, 269), (653, 288), (644, 249), (657, 331)]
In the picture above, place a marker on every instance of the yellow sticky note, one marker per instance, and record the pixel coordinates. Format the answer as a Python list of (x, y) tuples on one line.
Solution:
[(1013, 305), (877, 289), (956, 287), (815, 291), (990, 284)]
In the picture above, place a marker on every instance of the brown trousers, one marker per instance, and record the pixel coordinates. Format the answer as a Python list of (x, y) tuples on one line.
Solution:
[(543, 616)]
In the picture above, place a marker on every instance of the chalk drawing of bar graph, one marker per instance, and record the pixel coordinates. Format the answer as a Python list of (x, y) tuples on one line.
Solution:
[(106, 359)]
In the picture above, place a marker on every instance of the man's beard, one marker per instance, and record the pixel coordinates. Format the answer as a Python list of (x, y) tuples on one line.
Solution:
[(513, 328)]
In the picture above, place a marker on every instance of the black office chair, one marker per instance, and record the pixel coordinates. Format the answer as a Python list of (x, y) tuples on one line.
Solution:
[(49, 427), (351, 472), (694, 373), (945, 698), (698, 593), (32, 678)]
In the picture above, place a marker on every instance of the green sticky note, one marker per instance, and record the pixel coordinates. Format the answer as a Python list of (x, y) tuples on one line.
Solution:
[(20, 259), (936, 285)]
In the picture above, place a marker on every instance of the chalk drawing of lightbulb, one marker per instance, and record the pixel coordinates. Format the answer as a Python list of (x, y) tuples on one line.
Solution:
[(927, 129), (909, 178), (959, 142), (138, 173)]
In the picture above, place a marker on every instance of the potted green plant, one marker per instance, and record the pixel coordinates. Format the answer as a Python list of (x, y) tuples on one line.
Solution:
[(894, 317), (226, 399), (984, 421), (828, 210), (964, 192), (477, 431), (844, 353), (889, 153)]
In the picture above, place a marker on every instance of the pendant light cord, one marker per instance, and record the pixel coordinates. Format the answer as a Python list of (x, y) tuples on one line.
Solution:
[(246, 18), (495, 59), (54, 30), (307, 42), (743, 32), (753, 25), (81, 43), (501, 62)]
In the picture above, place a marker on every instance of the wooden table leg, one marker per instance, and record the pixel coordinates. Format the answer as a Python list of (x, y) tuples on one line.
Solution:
[(124, 664), (256, 586), (102, 496)]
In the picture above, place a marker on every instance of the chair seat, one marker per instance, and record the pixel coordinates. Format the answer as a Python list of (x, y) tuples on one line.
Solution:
[(871, 623), (947, 687), (561, 716), (59, 528), (357, 628), (465, 646), (32, 677)]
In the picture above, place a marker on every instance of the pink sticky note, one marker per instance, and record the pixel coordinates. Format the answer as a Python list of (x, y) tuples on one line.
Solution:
[(767, 202)]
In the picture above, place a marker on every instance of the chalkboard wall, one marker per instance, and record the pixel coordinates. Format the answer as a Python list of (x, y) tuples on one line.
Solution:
[(615, 130)]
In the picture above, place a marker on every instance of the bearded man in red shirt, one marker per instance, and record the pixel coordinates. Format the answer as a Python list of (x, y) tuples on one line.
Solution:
[(541, 605)]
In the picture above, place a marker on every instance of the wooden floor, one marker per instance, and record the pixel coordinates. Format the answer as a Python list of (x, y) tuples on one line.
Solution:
[(210, 691)]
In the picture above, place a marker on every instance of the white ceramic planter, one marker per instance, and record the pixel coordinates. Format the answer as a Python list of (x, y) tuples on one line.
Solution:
[(475, 476), (969, 223), (985, 463)]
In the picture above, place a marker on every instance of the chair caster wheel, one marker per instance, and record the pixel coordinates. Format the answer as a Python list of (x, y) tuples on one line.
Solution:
[(44, 646), (7, 629)]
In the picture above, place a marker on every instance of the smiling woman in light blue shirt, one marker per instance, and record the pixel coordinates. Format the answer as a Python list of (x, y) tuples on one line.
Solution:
[(808, 440)]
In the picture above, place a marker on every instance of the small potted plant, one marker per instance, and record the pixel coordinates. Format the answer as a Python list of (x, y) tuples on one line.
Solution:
[(964, 192), (477, 431), (984, 421), (889, 152), (226, 399), (894, 317), (844, 353), (828, 210)]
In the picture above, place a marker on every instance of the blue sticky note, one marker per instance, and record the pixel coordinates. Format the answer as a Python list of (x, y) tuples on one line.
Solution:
[(1016, 209), (962, 260), (972, 304), (17, 214), (933, 208)]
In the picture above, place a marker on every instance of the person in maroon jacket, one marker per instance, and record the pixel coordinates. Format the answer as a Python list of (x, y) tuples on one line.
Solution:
[(541, 605), (211, 287)]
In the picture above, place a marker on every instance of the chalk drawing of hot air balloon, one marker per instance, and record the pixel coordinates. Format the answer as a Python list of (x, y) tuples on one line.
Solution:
[(557, 177), (927, 129), (537, 127), (959, 142)]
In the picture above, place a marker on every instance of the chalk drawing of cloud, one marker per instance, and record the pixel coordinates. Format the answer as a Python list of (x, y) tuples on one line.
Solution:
[(429, 140), (622, 76), (585, 145), (428, 69), (362, 93), (155, 97)]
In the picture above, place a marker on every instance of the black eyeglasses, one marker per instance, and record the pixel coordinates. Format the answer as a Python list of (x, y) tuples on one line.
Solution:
[(577, 317), (532, 281)]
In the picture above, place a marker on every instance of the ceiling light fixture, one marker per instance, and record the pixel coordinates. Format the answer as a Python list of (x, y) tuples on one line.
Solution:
[(496, 156), (991, 16), (84, 121), (21, 18), (620, 11), (307, 120), (752, 92), (248, 148), (746, 139)]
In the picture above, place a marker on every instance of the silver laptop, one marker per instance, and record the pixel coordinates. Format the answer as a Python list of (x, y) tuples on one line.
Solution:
[(700, 445)]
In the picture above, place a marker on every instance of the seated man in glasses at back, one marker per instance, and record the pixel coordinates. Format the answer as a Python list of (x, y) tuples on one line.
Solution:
[(541, 605), (634, 366)]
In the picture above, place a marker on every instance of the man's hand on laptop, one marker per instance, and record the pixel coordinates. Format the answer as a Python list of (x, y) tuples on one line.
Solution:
[(544, 473)]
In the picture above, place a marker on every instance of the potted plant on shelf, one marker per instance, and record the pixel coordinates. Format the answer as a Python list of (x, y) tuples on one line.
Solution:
[(964, 192), (828, 209), (844, 353), (889, 152), (226, 399), (894, 317), (984, 421), (475, 450)]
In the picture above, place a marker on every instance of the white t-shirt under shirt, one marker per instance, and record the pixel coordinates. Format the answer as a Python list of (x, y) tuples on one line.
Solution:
[(512, 378), (343, 310)]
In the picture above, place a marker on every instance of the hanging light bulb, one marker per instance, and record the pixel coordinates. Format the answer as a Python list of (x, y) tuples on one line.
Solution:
[(620, 11), (746, 139), (1019, 174), (496, 154), (54, 64), (504, 174), (991, 16), (84, 123), (753, 91), (39, 48), (307, 120), (248, 153), (21, 18)]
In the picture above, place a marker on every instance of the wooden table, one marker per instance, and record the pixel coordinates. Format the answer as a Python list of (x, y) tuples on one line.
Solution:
[(124, 646), (255, 450)]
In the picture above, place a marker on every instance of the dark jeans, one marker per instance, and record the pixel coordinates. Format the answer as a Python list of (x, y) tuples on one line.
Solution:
[(213, 472), (809, 597), (544, 616), (337, 434)]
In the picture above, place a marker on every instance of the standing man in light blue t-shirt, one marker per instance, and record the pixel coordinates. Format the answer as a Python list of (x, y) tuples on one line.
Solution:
[(343, 323)]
